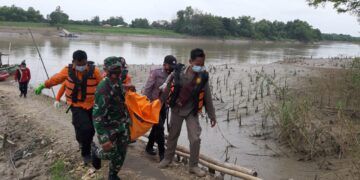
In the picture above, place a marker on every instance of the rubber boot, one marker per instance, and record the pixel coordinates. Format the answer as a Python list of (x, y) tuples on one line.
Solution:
[(150, 149), (113, 175)]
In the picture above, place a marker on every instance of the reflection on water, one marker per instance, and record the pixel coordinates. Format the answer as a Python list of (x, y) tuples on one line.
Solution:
[(57, 53), (147, 52)]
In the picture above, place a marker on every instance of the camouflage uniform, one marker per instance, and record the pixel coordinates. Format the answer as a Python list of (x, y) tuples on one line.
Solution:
[(111, 122)]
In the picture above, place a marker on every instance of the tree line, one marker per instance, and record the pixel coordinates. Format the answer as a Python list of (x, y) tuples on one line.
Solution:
[(192, 22)]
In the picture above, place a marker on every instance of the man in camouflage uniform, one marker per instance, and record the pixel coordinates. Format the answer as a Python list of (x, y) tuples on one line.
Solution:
[(111, 120)]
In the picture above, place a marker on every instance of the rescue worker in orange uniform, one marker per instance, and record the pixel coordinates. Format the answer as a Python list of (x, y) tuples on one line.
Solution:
[(81, 79)]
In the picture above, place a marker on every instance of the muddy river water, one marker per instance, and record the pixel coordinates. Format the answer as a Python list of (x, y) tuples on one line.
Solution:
[(253, 153)]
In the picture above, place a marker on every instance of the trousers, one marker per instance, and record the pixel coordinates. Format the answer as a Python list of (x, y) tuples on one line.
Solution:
[(194, 132), (84, 129), (157, 133), (23, 87)]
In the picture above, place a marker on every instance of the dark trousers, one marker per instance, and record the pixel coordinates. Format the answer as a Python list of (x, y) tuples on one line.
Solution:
[(157, 133), (23, 87), (84, 129)]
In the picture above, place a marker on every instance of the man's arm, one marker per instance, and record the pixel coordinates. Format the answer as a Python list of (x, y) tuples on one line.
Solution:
[(97, 75), (60, 92), (209, 106), (99, 115), (57, 78), (167, 84), (16, 75), (29, 74), (149, 85)]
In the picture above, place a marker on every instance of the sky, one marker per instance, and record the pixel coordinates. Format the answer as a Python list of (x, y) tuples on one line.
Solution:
[(324, 18)]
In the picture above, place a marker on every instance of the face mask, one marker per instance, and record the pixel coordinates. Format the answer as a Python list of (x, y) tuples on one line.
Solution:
[(80, 68), (198, 68)]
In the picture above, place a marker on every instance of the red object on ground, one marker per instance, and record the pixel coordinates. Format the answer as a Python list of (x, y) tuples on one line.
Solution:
[(4, 76)]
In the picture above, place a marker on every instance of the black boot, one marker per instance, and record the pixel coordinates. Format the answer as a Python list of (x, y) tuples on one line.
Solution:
[(95, 160), (161, 156), (113, 175), (150, 150), (86, 159)]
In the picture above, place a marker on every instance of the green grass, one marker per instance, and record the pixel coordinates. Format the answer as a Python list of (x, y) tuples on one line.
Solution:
[(96, 29), (58, 171), (23, 24), (120, 30)]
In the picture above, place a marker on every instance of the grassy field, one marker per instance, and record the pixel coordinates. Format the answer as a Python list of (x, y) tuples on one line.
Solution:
[(23, 24), (96, 29)]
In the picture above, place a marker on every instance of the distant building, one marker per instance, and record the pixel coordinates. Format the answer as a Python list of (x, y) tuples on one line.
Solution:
[(106, 25), (120, 25)]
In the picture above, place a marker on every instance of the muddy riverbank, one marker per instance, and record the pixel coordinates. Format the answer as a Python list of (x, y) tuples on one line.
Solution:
[(244, 135), (45, 147)]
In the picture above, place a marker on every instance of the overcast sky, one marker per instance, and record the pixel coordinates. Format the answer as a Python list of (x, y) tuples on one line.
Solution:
[(326, 19)]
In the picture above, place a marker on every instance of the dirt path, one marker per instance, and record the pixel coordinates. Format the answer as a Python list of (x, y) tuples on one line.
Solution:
[(44, 135)]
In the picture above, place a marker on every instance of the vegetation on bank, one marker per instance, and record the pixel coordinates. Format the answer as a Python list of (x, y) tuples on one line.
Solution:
[(59, 171), (189, 21), (322, 119), (95, 29)]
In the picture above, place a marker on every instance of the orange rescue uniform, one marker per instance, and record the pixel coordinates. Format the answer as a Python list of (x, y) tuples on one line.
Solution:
[(61, 92), (92, 82)]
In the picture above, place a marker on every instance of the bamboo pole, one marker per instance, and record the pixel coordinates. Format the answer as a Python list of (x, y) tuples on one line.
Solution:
[(205, 159), (218, 163), (42, 61), (9, 54), (220, 169)]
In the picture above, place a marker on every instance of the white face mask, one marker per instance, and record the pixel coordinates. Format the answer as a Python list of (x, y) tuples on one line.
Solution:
[(80, 68), (198, 68)]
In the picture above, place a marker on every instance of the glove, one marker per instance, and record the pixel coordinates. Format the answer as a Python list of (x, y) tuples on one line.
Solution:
[(163, 87), (57, 104), (39, 89)]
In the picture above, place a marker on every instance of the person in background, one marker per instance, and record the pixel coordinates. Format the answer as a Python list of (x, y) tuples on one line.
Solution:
[(189, 91), (81, 78), (151, 89), (23, 76)]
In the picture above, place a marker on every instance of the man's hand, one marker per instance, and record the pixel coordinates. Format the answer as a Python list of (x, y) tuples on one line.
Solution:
[(213, 122), (130, 87), (163, 87), (57, 104), (39, 89), (107, 146)]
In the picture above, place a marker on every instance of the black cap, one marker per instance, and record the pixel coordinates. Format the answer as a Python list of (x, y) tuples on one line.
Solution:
[(170, 59), (23, 62)]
